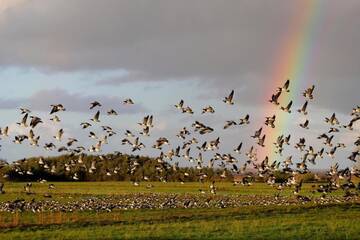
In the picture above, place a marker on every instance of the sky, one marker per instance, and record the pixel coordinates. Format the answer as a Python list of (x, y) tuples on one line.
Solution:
[(158, 52)]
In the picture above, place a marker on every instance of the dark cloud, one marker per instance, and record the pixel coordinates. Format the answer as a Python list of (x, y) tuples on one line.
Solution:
[(224, 44)]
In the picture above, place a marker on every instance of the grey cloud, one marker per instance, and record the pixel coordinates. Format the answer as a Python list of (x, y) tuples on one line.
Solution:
[(42, 99), (224, 44)]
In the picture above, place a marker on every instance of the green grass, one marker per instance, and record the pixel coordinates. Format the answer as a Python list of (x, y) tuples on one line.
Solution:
[(308, 221), (65, 190)]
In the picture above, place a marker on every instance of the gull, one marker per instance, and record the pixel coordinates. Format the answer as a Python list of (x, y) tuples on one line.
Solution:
[(208, 109), (96, 117), (85, 125), (112, 112), (305, 124), (308, 93), (229, 99), (245, 120), (57, 108), (285, 86), (303, 108), (95, 104), (55, 119), (128, 101), (287, 108)]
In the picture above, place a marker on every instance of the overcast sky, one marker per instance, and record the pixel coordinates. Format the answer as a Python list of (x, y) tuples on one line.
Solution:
[(158, 52)]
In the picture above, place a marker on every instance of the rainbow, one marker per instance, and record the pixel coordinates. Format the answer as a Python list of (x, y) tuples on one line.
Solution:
[(295, 60)]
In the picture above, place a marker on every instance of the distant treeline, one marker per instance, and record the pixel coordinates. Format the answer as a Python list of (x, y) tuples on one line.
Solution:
[(111, 167)]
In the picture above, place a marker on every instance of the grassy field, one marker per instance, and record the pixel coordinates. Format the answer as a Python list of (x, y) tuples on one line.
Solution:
[(304, 221), (15, 190)]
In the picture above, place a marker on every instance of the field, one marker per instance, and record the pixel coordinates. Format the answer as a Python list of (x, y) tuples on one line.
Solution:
[(257, 212)]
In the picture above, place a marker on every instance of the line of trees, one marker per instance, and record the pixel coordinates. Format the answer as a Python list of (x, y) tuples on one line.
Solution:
[(107, 168)]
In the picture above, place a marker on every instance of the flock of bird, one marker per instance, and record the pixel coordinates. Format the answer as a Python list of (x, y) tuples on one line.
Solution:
[(190, 135)]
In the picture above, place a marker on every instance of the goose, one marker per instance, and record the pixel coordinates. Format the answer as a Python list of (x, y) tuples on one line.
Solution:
[(129, 134), (274, 98), (96, 117), (56, 108), (55, 119), (285, 87), (351, 123), (303, 108), (353, 156), (355, 111), (180, 105), (229, 124), (128, 101), (187, 155), (4, 132), (332, 120), (49, 146), (332, 151), (305, 124), (35, 121), (59, 135), (85, 125), (269, 121), (301, 144), (333, 130), (188, 110), (24, 111), (35, 141), (208, 109), (308, 93), (19, 139), (245, 120), (92, 135), (257, 133), (23, 121), (287, 139), (287, 108), (183, 133), (229, 99), (261, 141), (71, 141), (112, 112), (95, 104)]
